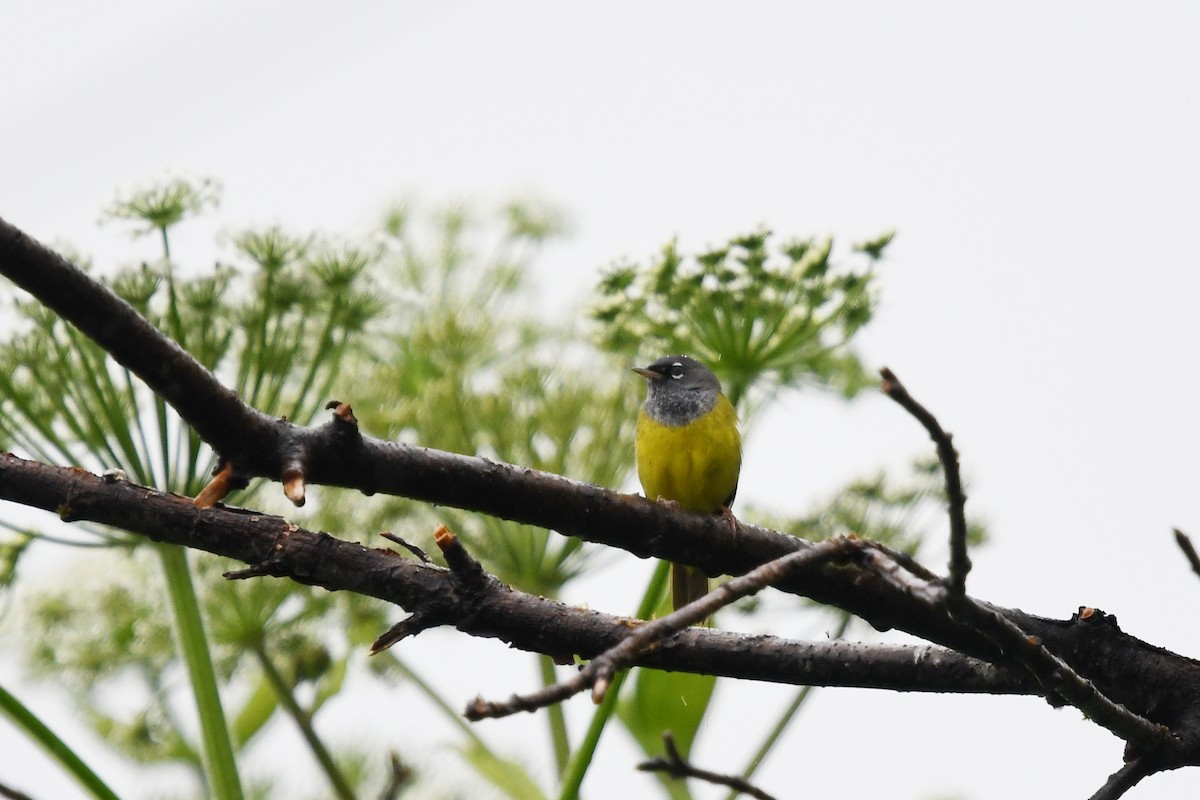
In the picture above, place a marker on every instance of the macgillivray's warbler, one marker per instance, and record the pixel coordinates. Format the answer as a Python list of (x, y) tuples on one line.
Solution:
[(689, 451)]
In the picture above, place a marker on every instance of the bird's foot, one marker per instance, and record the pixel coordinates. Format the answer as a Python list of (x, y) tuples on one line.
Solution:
[(665, 503)]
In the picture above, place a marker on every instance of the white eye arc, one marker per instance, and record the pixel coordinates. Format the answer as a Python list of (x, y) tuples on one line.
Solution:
[(677, 370)]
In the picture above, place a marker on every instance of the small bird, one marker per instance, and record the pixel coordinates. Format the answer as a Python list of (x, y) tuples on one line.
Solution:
[(689, 451)]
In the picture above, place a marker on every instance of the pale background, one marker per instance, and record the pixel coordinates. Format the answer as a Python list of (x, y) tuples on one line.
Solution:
[(1040, 162)]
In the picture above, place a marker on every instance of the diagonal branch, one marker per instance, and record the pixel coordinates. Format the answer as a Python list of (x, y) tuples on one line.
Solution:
[(112, 323), (598, 674)]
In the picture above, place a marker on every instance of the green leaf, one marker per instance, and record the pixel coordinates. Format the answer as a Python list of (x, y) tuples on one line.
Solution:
[(258, 709), (666, 701)]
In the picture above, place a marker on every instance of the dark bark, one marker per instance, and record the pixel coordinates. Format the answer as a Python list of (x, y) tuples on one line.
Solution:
[(275, 547)]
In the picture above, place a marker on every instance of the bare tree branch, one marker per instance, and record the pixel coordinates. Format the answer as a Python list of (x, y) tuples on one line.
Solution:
[(275, 547), (116, 326), (675, 765), (960, 563), (1054, 674), (598, 674)]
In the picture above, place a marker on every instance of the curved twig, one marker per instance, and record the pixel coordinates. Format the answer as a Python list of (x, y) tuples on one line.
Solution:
[(598, 674), (675, 765), (960, 563)]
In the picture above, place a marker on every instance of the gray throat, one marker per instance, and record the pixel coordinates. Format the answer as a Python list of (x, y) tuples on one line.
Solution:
[(679, 407)]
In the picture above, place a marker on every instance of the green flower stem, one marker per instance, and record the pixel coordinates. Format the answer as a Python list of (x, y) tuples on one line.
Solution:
[(145, 463), (75, 416), (785, 719), (324, 345), (164, 439), (582, 758), (556, 718), (23, 718), (84, 397), (219, 764), (304, 722)]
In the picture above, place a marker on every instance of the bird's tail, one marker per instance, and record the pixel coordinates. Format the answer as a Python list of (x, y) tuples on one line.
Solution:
[(687, 584)]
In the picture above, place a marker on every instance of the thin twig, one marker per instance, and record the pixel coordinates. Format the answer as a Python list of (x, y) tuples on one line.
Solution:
[(466, 573), (600, 671), (409, 546), (400, 777), (1189, 550), (960, 563), (676, 766), (1055, 675), (416, 622), (1123, 780)]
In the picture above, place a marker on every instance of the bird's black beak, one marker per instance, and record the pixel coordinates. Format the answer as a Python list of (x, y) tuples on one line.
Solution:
[(648, 374)]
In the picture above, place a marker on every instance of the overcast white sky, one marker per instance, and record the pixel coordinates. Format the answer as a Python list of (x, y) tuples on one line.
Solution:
[(1041, 165)]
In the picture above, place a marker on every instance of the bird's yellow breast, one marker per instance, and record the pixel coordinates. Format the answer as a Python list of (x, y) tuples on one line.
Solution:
[(696, 464)]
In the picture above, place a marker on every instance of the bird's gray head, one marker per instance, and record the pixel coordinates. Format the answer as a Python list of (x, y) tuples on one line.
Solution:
[(679, 389)]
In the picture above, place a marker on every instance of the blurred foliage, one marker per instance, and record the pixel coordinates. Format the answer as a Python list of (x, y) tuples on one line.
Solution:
[(469, 365), (277, 326), (435, 333), (159, 206), (658, 701)]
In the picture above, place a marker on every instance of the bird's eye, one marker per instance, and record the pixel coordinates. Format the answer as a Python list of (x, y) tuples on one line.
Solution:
[(677, 370)]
